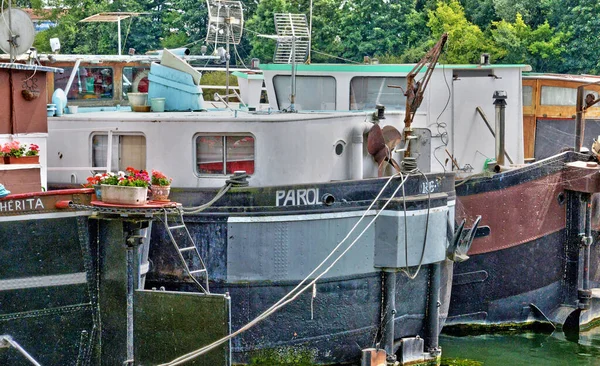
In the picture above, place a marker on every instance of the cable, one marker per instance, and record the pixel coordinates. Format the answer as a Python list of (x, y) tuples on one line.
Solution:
[(282, 302), (239, 57), (406, 269), (441, 126)]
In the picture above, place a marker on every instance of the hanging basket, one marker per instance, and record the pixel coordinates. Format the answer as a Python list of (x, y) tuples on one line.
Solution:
[(124, 195)]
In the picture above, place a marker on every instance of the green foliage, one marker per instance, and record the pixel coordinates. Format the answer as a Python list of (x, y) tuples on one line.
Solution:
[(466, 42), (459, 362), (215, 78), (284, 356), (550, 35), (541, 48)]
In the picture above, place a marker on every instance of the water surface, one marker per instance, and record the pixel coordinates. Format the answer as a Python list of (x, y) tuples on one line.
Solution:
[(530, 349)]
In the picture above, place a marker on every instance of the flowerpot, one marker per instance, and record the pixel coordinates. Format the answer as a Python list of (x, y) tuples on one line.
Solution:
[(160, 193), (98, 191), (124, 195), (22, 160)]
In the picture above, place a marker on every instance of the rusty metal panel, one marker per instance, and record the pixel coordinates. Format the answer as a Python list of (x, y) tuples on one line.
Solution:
[(26, 90), (5, 114), (517, 214), (22, 180), (29, 116)]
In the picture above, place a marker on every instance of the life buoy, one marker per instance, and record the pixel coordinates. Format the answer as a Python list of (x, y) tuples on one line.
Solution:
[(140, 83)]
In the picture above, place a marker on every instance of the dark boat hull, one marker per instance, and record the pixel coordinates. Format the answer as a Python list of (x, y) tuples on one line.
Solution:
[(345, 314), (527, 268), (46, 280)]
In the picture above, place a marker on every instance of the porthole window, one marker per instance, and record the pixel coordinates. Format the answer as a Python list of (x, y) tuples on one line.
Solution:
[(339, 147)]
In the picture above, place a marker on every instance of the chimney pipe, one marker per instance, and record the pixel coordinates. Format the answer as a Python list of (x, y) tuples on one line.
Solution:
[(500, 103)]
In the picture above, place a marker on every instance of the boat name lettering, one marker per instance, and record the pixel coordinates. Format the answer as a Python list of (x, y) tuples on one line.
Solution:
[(298, 197), (21, 205), (429, 187)]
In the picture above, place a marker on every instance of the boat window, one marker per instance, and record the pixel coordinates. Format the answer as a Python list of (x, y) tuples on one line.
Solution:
[(127, 150), (367, 92), (88, 83), (218, 154), (135, 80), (555, 95), (527, 95), (314, 93)]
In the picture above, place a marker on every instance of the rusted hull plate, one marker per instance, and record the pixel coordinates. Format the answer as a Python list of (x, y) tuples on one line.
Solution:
[(515, 215)]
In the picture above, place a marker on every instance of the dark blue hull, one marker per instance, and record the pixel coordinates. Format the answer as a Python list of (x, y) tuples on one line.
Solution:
[(344, 317)]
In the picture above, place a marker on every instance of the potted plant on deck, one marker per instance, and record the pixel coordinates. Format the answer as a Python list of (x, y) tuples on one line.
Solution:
[(126, 188), (161, 186), (14, 152)]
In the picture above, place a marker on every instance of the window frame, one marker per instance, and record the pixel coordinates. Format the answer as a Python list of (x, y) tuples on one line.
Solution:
[(402, 104), (303, 77), (118, 134), (223, 137)]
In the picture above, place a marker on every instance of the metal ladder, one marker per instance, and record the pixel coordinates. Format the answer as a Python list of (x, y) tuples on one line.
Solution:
[(188, 254)]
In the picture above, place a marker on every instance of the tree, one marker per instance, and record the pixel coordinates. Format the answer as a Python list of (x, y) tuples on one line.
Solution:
[(480, 12), (466, 42), (579, 21), (541, 48)]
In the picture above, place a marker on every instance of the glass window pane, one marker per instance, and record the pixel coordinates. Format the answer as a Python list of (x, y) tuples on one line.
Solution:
[(127, 150), (240, 154), (89, 83), (100, 151), (135, 79), (527, 95), (554, 95), (367, 92), (132, 152), (312, 92), (209, 155)]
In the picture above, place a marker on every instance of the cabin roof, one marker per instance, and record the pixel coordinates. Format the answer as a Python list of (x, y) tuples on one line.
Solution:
[(586, 78), (400, 68), (14, 66)]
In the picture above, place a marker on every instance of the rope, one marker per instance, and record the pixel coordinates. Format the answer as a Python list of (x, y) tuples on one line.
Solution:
[(236, 180), (406, 269), (291, 296)]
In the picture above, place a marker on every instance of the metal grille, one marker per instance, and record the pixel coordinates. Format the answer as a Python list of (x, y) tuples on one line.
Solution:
[(225, 21), (292, 29)]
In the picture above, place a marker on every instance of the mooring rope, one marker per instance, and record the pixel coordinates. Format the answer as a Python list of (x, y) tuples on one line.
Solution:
[(291, 296)]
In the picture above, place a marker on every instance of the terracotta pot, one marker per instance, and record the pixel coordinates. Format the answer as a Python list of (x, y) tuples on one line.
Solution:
[(160, 193), (22, 160), (124, 195)]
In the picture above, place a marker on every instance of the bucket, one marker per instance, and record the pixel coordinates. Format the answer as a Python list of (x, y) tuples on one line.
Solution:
[(158, 104), (72, 109)]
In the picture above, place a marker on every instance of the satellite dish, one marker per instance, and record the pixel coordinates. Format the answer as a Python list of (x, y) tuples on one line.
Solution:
[(16, 32)]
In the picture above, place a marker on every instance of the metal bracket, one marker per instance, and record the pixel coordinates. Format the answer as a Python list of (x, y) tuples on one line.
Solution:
[(586, 241)]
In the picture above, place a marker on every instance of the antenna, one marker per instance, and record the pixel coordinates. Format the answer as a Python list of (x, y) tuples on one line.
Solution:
[(225, 25), (293, 40), (113, 17), (16, 32)]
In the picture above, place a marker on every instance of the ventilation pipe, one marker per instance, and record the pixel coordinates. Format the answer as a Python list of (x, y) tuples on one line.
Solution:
[(357, 149), (500, 103)]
